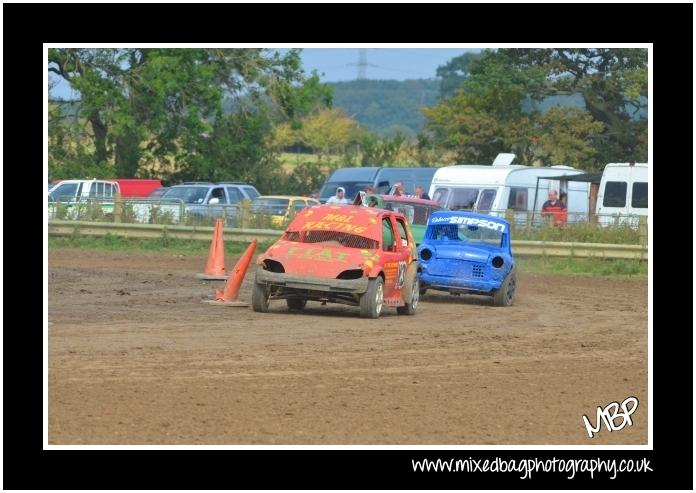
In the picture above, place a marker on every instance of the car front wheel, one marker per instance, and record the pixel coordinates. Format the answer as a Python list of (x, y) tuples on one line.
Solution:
[(505, 296), (372, 300), (259, 297), (411, 292)]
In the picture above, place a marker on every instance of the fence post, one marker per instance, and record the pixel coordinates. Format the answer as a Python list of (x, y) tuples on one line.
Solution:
[(117, 207), (510, 217), (245, 209), (643, 230), (528, 223)]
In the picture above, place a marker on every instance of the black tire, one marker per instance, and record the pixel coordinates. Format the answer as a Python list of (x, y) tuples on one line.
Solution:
[(296, 303), (410, 291), (372, 300), (259, 297), (505, 296)]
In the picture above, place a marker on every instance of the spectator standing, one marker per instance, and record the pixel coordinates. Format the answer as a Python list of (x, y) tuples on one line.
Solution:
[(421, 194), (339, 198), (554, 209)]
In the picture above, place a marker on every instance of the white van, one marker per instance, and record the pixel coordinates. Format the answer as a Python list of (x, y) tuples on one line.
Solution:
[(494, 189), (623, 193)]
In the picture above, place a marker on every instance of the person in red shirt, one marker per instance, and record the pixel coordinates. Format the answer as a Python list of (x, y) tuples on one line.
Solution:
[(555, 209)]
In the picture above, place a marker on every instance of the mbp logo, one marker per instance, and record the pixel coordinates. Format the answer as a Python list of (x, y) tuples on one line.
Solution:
[(609, 415)]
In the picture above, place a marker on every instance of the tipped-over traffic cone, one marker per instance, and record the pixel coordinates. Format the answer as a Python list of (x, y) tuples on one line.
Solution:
[(215, 267), (228, 296)]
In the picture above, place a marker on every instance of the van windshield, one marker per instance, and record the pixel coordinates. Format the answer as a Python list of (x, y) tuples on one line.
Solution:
[(351, 187)]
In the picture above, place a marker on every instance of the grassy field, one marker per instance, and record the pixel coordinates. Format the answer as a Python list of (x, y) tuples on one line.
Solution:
[(165, 246), (169, 246), (289, 160)]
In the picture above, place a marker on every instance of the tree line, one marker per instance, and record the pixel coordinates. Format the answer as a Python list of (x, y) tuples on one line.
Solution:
[(228, 114)]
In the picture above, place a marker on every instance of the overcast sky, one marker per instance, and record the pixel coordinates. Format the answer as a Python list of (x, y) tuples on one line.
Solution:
[(341, 64)]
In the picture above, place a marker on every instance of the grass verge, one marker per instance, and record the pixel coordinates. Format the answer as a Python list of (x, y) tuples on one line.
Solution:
[(543, 265), (584, 266), (162, 245)]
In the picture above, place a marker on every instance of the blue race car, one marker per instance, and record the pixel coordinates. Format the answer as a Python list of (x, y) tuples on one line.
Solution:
[(467, 253)]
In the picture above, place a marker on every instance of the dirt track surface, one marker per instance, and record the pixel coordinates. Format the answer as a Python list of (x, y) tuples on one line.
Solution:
[(136, 358)]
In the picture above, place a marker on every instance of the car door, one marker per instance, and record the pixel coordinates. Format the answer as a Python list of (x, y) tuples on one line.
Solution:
[(217, 200), (392, 255)]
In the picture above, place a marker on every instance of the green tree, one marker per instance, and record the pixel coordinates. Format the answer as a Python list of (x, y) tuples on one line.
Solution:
[(490, 114), (329, 131), (454, 73), (613, 83), (150, 103)]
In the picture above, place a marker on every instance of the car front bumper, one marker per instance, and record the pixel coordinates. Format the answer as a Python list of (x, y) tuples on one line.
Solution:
[(444, 282), (293, 282)]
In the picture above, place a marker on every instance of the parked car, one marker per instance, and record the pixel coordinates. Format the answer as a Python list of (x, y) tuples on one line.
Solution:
[(157, 192), (468, 253), (75, 199), (205, 200), (76, 190), (345, 254), (279, 209)]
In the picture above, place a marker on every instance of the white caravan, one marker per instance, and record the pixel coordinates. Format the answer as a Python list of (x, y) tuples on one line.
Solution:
[(623, 193), (494, 189)]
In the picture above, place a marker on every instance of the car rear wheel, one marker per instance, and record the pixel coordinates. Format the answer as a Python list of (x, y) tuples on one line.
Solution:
[(505, 296), (411, 291), (372, 300), (259, 297), (296, 303)]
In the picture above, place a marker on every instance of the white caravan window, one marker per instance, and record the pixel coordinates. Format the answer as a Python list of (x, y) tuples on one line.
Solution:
[(518, 199), (486, 200)]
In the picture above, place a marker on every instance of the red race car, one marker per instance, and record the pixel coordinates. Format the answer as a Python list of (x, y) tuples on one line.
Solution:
[(345, 254)]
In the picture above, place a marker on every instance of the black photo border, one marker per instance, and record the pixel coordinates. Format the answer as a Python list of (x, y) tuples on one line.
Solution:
[(27, 26)]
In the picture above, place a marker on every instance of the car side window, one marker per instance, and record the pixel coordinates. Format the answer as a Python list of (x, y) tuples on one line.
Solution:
[(387, 235), (298, 205), (234, 195), (218, 193), (251, 192), (65, 192), (402, 232)]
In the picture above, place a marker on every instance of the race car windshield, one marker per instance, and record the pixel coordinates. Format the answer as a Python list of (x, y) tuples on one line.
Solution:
[(332, 238), (466, 233)]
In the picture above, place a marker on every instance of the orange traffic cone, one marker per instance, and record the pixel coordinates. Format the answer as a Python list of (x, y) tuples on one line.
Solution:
[(229, 295), (215, 268)]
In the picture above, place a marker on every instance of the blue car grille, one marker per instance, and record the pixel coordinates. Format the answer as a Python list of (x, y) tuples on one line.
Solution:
[(457, 268)]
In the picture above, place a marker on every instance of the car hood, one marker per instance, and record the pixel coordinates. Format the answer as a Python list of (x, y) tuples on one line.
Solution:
[(319, 260), (457, 251)]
